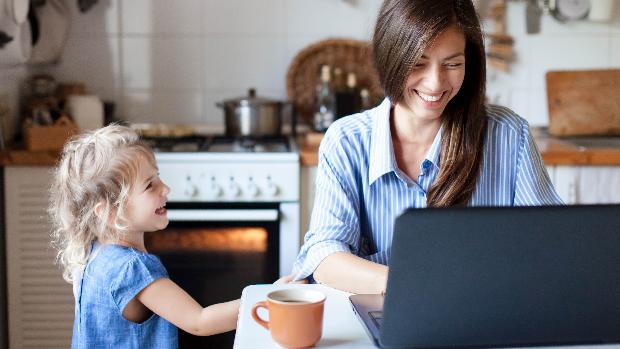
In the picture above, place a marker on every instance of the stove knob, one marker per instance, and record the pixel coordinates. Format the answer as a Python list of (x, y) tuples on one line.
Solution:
[(272, 188), (252, 188), (214, 190), (190, 189), (233, 189)]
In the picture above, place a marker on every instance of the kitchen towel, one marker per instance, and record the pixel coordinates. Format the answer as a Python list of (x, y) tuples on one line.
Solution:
[(601, 10), (18, 46), (54, 18), (16, 9)]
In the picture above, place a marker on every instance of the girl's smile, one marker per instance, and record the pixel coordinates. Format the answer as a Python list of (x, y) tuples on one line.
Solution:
[(161, 211)]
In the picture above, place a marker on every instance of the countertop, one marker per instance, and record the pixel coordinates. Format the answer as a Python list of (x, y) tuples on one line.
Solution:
[(555, 151), (22, 157)]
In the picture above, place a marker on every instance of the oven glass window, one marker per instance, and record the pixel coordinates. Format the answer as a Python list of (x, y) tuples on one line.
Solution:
[(242, 240)]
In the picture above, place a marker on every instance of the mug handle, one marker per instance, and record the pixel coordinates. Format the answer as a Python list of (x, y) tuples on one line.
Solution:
[(257, 318)]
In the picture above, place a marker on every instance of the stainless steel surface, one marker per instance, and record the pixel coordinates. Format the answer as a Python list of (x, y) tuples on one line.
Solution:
[(570, 10), (252, 116), (222, 144), (533, 11)]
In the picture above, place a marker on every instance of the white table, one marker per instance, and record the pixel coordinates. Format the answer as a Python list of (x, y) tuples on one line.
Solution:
[(341, 328)]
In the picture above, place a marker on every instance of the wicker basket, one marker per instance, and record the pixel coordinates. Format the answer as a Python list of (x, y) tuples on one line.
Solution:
[(52, 137), (348, 54)]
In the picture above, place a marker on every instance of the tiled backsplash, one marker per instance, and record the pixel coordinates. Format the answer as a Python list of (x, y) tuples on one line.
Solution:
[(170, 61)]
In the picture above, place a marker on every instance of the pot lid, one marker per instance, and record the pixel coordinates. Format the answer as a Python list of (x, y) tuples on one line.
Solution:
[(251, 99)]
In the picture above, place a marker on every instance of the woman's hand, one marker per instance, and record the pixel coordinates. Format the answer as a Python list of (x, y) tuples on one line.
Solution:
[(288, 279)]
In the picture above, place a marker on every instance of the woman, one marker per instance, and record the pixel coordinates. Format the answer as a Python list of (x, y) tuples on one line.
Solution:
[(431, 143)]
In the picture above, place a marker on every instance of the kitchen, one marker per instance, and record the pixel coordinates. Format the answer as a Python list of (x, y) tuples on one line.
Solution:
[(171, 62)]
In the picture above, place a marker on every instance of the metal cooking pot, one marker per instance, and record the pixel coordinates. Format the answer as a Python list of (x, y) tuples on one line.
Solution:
[(252, 116)]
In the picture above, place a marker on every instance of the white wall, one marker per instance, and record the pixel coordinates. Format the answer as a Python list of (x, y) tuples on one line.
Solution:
[(170, 61)]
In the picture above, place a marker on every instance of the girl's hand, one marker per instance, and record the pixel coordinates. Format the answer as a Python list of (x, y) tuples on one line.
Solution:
[(288, 279)]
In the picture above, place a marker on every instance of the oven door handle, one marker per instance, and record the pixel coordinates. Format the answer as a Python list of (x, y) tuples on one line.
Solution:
[(219, 215)]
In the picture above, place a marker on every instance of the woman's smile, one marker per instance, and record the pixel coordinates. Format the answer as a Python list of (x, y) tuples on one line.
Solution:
[(436, 77), (431, 100)]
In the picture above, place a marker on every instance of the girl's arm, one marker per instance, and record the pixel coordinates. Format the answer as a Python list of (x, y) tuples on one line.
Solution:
[(168, 300), (348, 272)]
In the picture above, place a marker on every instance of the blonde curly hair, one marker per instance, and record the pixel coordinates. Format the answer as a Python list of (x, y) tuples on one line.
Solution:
[(96, 167)]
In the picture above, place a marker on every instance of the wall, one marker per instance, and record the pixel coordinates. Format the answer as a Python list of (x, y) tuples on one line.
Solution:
[(170, 61)]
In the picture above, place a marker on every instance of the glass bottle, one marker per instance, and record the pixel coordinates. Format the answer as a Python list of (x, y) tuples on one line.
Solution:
[(324, 106), (365, 103), (348, 99)]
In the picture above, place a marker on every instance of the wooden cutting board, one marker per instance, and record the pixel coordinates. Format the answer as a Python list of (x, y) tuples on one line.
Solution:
[(585, 102)]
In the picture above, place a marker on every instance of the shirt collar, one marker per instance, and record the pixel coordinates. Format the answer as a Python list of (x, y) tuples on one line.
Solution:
[(382, 158)]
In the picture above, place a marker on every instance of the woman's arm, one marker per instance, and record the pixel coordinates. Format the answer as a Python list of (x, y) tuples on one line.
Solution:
[(334, 223), (168, 300), (347, 272)]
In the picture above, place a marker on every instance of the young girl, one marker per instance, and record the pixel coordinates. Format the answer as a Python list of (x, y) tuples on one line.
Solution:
[(105, 195)]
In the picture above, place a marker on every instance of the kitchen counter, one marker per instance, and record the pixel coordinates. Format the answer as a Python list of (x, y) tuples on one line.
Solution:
[(555, 151), (21, 157)]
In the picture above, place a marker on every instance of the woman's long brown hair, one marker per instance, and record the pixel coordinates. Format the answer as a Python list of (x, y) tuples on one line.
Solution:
[(405, 28)]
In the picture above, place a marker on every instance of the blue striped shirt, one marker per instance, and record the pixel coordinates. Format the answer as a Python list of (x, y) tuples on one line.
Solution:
[(360, 190)]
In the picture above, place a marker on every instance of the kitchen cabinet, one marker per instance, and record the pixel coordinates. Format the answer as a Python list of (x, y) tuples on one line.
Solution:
[(40, 303), (586, 184)]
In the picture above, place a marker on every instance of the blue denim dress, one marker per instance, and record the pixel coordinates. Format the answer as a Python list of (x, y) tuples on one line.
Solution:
[(113, 276)]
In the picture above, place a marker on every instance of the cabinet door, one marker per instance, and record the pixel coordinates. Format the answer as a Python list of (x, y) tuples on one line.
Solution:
[(588, 184), (40, 302), (598, 184)]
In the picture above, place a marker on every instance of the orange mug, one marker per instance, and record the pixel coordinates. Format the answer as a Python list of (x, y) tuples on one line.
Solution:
[(295, 316)]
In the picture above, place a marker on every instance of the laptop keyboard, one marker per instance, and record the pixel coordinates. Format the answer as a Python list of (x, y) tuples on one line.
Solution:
[(377, 317)]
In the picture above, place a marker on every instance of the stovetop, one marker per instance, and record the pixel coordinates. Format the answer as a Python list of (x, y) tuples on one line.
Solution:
[(221, 144)]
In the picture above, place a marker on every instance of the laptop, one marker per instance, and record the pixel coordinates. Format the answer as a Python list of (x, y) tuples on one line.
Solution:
[(499, 277)]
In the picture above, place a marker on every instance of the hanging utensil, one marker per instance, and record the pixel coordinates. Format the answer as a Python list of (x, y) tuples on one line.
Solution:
[(533, 12)]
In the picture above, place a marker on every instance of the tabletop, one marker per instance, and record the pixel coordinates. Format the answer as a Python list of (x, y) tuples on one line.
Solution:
[(341, 327)]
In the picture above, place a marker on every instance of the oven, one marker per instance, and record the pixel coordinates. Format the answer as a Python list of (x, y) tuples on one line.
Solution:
[(234, 221)]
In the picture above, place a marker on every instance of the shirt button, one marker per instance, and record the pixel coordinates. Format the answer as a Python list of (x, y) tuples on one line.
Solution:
[(426, 164)]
